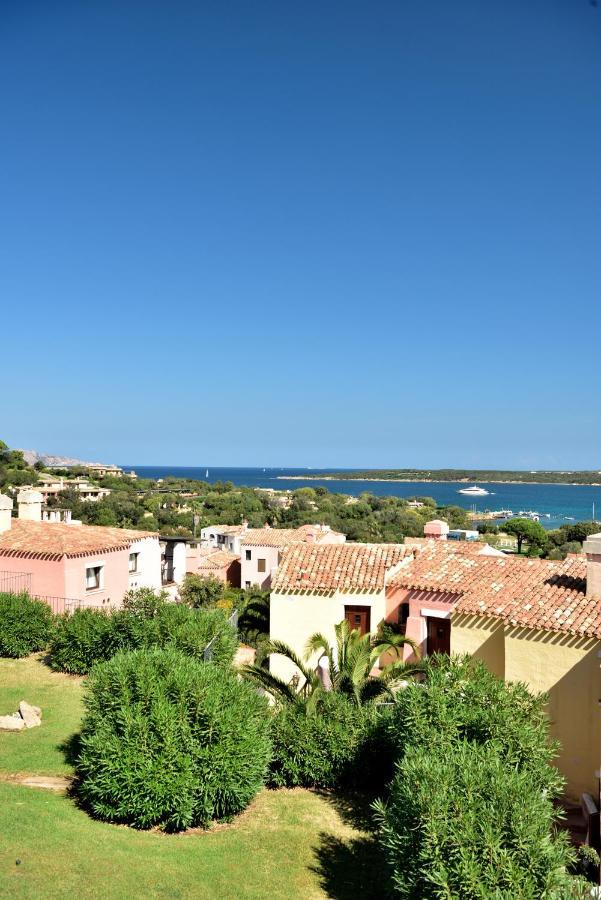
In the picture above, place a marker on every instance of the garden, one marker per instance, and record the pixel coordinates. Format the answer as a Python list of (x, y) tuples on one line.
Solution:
[(178, 776)]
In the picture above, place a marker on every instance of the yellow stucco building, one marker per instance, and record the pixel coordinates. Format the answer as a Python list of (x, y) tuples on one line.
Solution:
[(530, 620)]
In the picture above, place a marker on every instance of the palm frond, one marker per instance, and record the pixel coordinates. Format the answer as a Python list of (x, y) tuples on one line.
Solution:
[(280, 648), (397, 642), (318, 643), (277, 687)]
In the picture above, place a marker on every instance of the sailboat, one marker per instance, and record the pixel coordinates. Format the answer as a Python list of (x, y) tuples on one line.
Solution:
[(207, 474)]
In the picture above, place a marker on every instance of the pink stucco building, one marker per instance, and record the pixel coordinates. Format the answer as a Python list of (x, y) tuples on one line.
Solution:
[(72, 564)]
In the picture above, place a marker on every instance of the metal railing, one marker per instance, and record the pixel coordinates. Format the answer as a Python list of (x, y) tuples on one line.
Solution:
[(208, 650), (60, 605), (15, 582)]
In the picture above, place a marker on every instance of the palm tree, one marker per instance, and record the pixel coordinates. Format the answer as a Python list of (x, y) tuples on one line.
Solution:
[(350, 663)]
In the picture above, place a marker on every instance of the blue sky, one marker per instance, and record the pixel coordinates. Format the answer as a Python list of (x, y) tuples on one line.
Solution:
[(325, 234)]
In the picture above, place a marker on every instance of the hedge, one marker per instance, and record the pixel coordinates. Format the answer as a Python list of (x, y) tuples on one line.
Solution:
[(89, 636), (26, 625)]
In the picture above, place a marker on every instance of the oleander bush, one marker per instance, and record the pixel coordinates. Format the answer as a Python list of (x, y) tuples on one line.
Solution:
[(471, 808), (89, 636), (468, 823), (168, 741), (461, 700), (190, 630), (80, 640), (26, 625), (337, 744)]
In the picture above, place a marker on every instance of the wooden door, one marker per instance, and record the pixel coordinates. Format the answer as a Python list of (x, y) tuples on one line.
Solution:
[(439, 636), (358, 618)]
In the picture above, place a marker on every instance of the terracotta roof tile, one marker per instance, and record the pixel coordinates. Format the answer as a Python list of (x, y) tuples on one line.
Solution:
[(531, 593), (216, 559), (53, 540), (326, 568), (283, 537)]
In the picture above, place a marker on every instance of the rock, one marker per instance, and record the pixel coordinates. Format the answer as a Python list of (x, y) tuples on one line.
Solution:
[(31, 715), (12, 723)]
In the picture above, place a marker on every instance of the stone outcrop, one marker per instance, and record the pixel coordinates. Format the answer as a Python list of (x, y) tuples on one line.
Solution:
[(12, 723), (27, 716), (31, 715)]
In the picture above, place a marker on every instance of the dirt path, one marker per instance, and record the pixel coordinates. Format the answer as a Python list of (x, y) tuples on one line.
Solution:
[(46, 782)]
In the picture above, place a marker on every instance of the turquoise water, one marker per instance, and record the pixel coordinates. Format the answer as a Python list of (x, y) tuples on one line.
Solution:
[(562, 502)]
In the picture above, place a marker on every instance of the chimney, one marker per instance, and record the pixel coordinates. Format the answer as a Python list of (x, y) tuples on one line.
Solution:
[(310, 537), (592, 548), (437, 530), (30, 505), (6, 507)]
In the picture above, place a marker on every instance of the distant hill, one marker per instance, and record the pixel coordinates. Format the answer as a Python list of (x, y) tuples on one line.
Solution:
[(31, 457)]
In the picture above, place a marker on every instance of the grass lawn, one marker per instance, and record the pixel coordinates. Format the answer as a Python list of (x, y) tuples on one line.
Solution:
[(288, 844), (37, 751)]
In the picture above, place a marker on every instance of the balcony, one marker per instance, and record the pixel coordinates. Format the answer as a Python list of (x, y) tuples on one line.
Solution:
[(15, 582)]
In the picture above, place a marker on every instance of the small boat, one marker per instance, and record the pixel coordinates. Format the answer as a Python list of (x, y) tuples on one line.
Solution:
[(474, 491), (529, 514), (502, 514)]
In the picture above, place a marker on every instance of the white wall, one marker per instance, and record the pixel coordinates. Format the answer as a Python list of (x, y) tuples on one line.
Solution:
[(179, 562), (295, 617), (149, 564), (209, 538)]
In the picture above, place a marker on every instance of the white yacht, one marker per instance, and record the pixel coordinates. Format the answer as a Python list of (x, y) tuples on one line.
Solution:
[(474, 491)]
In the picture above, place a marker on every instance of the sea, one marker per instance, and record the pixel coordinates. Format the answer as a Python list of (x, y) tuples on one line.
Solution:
[(557, 504)]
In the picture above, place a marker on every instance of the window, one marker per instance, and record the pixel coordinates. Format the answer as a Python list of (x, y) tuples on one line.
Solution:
[(133, 562), (247, 584), (248, 554), (261, 565), (94, 578)]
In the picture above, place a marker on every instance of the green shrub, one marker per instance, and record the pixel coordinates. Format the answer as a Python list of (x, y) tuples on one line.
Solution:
[(145, 601), (461, 699), (190, 630), (80, 640), (201, 590), (93, 635), (338, 744), (169, 741), (468, 824), (25, 625)]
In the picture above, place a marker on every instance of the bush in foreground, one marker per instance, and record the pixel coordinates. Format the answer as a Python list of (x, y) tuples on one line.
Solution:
[(461, 700), (471, 810), (469, 824), (169, 741), (338, 744), (25, 625), (90, 636)]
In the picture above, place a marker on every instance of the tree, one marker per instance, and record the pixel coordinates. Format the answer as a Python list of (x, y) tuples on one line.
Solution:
[(526, 530), (350, 664), (201, 591)]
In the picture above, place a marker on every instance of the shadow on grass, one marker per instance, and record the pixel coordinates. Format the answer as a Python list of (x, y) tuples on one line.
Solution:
[(355, 867), (70, 748), (350, 869), (353, 807)]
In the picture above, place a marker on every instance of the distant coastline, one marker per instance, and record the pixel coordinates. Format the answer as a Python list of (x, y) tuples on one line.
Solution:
[(425, 480)]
